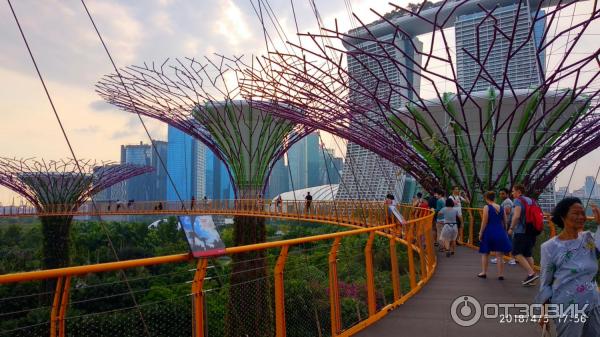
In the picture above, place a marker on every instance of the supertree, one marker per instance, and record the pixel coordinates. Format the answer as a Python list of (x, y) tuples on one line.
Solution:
[(60, 186), (202, 98), (512, 98)]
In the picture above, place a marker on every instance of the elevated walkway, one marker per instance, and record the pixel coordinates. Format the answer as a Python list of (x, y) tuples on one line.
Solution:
[(427, 314)]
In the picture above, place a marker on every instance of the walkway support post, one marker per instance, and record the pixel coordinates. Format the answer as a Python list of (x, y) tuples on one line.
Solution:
[(420, 231), (64, 300), (334, 293), (198, 298), (55, 307), (471, 226), (279, 293), (411, 256), (395, 271), (371, 301)]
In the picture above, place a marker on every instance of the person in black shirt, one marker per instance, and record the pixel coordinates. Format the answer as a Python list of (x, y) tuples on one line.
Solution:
[(308, 201)]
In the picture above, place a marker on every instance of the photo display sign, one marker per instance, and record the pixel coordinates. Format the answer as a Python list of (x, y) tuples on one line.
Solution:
[(202, 235)]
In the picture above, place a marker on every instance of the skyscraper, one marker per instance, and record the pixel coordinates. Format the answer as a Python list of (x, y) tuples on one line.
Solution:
[(306, 162), (278, 179), (186, 165), (218, 183), (149, 186), (367, 175), (590, 187), (476, 35)]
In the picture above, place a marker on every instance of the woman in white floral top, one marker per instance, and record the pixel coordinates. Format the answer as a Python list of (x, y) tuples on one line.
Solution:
[(569, 267)]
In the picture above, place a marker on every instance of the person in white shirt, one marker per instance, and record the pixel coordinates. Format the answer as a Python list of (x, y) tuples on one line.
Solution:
[(458, 197)]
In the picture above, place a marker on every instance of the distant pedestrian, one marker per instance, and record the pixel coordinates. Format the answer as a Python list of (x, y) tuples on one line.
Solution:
[(259, 202), (160, 206), (418, 204), (205, 202), (449, 231), (439, 224), (523, 242), (492, 235), (390, 205), (192, 202), (279, 203), (459, 198), (569, 267), (307, 202)]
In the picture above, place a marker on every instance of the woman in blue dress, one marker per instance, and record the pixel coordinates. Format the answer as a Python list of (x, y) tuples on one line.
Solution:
[(492, 236), (569, 267)]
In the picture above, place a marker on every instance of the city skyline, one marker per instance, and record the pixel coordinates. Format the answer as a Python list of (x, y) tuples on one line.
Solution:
[(71, 60)]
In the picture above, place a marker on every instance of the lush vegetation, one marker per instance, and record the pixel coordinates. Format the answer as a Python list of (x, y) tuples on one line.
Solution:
[(162, 292)]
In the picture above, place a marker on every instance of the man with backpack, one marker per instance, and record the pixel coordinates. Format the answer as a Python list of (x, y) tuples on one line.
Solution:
[(525, 226)]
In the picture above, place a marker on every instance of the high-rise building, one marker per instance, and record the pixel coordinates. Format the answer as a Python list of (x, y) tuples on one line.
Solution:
[(278, 179), (186, 165), (218, 182), (114, 192), (333, 167), (366, 175), (149, 186), (590, 187), (305, 162), (475, 35)]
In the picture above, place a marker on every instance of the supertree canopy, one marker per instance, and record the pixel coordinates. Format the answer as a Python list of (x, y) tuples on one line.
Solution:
[(61, 186), (203, 99), (480, 94)]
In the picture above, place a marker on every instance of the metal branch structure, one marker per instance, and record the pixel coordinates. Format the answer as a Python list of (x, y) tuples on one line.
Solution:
[(481, 94), (202, 98), (61, 185)]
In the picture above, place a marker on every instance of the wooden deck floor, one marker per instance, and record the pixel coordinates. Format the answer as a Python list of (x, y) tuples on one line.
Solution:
[(428, 312)]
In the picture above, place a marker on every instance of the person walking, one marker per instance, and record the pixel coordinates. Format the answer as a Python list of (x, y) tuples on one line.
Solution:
[(279, 203), (506, 207), (449, 231), (307, 202), (459, 197), (492, 235), (523, 242), (439, 204), (193, 202), (569, 266)]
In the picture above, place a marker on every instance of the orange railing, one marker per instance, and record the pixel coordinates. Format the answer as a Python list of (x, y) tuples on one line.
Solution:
[(407, 265), (324, 210)]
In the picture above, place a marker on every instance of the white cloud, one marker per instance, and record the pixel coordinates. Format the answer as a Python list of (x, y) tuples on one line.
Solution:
[(232, 24)]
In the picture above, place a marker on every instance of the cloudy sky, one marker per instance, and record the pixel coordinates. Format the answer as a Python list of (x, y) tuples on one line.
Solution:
[(71, 59)]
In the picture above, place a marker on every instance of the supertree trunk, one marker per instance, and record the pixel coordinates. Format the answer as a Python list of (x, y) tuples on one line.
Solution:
[(56, 232), (249, 311)]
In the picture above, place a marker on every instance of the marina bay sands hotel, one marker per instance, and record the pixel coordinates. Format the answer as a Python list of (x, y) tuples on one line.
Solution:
[(368, 176)]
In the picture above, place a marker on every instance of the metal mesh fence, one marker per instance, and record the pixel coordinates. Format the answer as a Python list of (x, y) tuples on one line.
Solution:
[(25, 309), (307, 307), (238, 293), (351, 281)]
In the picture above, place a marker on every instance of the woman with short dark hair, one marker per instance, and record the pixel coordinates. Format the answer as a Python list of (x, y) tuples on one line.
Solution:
[(569, 267), (450, 218)]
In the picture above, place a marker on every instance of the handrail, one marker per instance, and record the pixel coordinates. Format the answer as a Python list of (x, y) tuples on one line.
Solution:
[(362, 217), (111, 266)]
